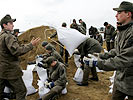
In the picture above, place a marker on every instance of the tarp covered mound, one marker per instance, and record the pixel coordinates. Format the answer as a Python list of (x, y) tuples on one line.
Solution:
[(43, 32)]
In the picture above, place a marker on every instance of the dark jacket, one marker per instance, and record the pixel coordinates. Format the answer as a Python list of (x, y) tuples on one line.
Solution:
[(109, 31), (89, 46), (57, 74), (121, 59), (10, 50)]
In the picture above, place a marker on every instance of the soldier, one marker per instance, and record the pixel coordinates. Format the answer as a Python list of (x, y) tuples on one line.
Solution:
[(99, 38), (82, 23), (92, 32), (52, 52), (74, 25), (120, 59), (11, 73), (108, 34), (56, 78), (89, 46)]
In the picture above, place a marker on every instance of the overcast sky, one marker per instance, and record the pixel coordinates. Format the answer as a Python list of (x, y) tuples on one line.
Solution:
[(33, 13)]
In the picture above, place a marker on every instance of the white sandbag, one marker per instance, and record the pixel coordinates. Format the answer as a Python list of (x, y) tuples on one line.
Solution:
[(42, 89), (70, 38), (78, 75), (76, 60), (42, 73), (28, 79), (7, 90), (31, 67), (64, 91), (38, 59)]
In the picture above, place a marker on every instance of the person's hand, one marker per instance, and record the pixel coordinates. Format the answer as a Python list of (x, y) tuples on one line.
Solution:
[(35, 41), (49, 84)]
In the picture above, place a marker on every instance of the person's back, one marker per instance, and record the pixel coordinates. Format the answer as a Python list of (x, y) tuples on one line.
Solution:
[(89, 46)]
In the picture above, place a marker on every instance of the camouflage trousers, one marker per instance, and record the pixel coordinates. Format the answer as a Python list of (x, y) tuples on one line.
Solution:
[(118, 95), (17, 85), (87, 71), (56, 90)]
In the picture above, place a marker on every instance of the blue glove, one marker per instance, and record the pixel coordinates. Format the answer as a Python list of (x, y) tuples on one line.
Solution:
[(40, 64), (51, 85), (86, 62), (94, 63)]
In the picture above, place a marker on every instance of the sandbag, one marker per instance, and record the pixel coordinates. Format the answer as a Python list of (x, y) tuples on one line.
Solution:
[(78, 75)]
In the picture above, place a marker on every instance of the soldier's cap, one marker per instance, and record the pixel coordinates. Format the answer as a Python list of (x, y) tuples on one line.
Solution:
[(16, 30), (48, 47), (7, 19), (125, 6), (80, 19), (50, 60), (64, 24), (105, 23), (44, 43)]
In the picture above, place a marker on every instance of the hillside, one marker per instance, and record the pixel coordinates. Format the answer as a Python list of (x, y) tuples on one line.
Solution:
[(94, 91)]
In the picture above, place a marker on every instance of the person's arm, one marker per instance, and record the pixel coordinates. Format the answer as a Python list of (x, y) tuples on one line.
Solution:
[(123, 60), (106, 55)]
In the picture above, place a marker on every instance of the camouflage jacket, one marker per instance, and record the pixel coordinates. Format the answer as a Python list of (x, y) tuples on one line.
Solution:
[(57, 74), (99, 39), (108, 35), (121, 59), (10, 50)]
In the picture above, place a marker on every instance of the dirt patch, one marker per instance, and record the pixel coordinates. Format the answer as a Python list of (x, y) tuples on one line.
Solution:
[(94, 91)]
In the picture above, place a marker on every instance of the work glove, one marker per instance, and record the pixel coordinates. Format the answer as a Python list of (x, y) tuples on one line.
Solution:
[(94, 63), (49, 84), (40, 64)]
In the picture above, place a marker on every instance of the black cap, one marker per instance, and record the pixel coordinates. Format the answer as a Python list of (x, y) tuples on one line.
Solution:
[(64, 24), (125, 6), (105, 23), (44, 43), (50, 60), (7, 19), (16, 30), (48, 47)]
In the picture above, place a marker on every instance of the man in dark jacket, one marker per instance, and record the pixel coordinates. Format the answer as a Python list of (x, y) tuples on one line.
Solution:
[(89, 46), (108, 34), (56, 78), (121, 58), (10, 71)]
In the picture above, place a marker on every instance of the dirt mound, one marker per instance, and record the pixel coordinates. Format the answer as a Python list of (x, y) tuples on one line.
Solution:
[(95, 90)]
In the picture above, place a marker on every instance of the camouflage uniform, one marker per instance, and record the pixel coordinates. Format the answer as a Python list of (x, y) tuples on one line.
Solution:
[(108, 35), (99, 39), (56, 74), (121, 60), (89, 46), (11, 72), (54, 54)]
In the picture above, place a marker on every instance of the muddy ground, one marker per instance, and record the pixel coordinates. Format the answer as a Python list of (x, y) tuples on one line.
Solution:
[(94, 91)]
